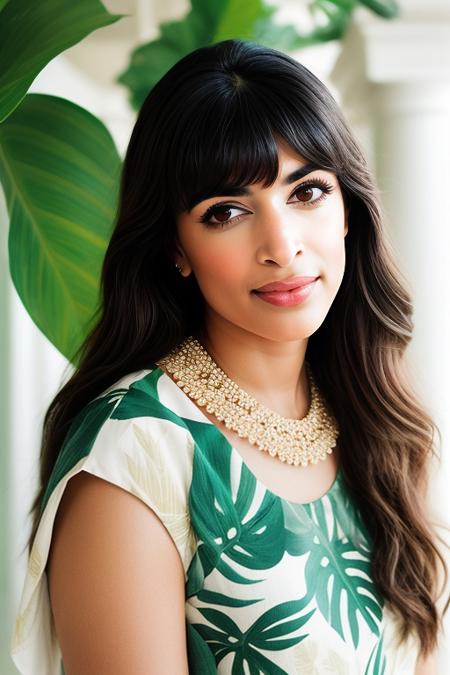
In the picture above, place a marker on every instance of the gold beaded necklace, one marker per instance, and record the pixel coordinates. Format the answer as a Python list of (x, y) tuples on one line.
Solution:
[(297, 442)]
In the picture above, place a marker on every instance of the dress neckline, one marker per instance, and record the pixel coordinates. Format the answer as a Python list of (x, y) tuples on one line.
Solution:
[(234, 452)]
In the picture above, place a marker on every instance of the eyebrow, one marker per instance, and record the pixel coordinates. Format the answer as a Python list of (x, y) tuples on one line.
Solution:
[(240, 191)]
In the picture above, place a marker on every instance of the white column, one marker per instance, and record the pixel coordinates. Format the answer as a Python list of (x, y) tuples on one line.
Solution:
[(394, 81), (412, 141)]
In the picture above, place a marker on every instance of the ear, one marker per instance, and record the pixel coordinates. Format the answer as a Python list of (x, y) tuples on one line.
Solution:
[(180, 258)]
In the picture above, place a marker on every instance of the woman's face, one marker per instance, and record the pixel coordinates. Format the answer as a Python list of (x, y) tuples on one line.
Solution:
[(234, 243)]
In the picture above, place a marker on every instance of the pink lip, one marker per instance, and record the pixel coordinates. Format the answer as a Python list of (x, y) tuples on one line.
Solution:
[(288, 298), (286, 284)]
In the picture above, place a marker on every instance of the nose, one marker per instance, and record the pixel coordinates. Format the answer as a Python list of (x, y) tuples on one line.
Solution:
[(280, 236)]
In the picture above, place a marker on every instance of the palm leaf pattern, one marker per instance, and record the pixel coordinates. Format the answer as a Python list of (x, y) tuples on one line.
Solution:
[(336, 560), (221, 525), (336, 565), (200, 657), (226, 637), (337, 549), (377, 661), (243, 527)]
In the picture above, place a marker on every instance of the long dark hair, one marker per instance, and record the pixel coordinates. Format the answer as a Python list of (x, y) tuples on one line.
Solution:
[(216, 115)]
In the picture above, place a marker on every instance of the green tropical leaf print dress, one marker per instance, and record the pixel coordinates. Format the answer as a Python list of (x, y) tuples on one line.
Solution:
[(272, 586)]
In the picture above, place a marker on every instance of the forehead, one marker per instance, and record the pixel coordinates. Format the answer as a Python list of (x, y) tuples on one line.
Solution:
[(240, 137)]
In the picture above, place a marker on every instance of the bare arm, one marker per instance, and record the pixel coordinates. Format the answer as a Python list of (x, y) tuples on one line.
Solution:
[(116, 583)]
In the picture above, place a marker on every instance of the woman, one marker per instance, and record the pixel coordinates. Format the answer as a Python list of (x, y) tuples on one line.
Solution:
[(234, 478)]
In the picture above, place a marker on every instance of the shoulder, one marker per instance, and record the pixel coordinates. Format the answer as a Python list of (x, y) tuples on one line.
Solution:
[(127, 449), (127, 428), (132, 437)]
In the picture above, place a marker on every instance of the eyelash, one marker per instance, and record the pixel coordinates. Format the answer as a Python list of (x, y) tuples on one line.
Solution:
[(326, 188)]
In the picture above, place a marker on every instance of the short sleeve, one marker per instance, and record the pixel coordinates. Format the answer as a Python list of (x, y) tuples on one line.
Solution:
[(130, 439)]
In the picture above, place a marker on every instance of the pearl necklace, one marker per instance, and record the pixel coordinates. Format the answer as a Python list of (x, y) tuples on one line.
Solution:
[(297, 442)]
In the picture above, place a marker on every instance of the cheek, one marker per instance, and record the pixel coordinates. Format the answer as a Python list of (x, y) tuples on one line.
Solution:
[(333, 260), (334, 250), (220, 260), (331, 236)]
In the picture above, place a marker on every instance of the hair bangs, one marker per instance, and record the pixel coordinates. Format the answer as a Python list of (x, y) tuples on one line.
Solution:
[(234, 143), (232, 150)]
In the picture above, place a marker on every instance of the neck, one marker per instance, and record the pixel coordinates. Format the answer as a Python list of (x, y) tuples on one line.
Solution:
[(272, 372)]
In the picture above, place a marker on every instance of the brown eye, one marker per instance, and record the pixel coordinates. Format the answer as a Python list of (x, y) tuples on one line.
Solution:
[(219, 215), (222, 214), (306, 193)]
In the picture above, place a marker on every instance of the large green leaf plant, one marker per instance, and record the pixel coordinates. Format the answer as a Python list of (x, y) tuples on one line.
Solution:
[(58, 170), (59, 167)]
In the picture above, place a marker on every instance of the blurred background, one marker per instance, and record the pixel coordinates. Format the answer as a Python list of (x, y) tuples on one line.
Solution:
[(387, 64)]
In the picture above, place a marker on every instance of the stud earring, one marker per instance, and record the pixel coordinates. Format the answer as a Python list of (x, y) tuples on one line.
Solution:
[(178, 267)]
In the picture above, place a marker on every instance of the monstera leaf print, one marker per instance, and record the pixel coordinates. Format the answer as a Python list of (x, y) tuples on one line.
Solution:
[(266, 633), (223, 526), (235, 526), (299, 530), (200, 657), (215, 598), (377, 662), (81, 437), (336, 567)]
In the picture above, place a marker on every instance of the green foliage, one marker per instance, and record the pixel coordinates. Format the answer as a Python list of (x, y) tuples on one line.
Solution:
[(32, 33), (210, 21), (385, 8), (207, 22), (58, 164), (59, 169)]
